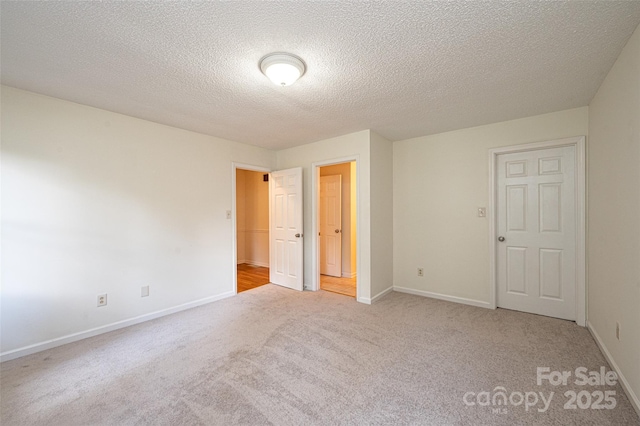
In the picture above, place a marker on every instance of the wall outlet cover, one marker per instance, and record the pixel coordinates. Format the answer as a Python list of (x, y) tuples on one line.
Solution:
[(102, 300)]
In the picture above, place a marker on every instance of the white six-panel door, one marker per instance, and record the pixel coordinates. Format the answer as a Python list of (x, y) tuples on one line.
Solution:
[(331, 225), (285, 228), (536, 248)]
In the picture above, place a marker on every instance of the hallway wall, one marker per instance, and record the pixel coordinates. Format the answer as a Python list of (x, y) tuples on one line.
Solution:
[(252, 217)]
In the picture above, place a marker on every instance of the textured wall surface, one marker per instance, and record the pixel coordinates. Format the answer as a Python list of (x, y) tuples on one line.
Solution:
[(381, 215), (614, 213), (401, 69), (95, 202), (439, 181), (356, 145)]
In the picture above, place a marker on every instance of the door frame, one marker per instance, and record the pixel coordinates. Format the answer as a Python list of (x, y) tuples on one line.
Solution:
[(315, 220), (234, 225), (578, 143)]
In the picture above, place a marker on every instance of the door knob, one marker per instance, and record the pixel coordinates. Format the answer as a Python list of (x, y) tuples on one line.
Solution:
[(298, 235), (337, 231), (501, 239)]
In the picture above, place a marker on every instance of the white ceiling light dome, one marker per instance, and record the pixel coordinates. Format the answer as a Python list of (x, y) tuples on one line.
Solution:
[(282, 68)]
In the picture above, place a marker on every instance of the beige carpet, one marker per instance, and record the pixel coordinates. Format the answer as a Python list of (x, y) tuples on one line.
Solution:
[(276, 356)]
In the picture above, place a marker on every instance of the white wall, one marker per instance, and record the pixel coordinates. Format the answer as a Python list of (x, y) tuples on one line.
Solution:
[(381, 215), (344, 170), (439, 182), (614, 213), (353, 144), (97, 202)]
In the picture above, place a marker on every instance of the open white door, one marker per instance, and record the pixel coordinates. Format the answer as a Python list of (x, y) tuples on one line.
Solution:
[(331, 225), (285, 228)]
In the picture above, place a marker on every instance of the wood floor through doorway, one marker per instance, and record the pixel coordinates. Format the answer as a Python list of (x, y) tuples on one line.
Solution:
[(345, 286), (250, 277)]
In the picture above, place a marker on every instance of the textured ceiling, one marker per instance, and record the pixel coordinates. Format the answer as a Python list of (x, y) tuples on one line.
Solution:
[(401, 69)]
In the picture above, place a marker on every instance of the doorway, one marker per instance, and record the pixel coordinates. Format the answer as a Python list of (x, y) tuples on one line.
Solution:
[(337, 228), (252, 229), (538, 228)]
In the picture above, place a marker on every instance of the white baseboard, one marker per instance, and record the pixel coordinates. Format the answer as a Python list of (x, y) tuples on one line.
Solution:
[(446, 297), (635, 402), (368, 301), (381, 294), (252, 263), (349, 274), (48, 344)]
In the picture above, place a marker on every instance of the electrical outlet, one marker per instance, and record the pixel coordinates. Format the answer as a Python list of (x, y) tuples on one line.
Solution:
[(421, 272), (228, 214), (102, 299), (482, 211), (144, 291), (617, 330)]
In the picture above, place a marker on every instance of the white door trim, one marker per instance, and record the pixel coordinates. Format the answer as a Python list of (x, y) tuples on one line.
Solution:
[(578, 143), (234, 227), (315, 220)]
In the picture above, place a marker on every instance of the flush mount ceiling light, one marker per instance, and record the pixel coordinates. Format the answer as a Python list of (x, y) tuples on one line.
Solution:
[(282, 68)]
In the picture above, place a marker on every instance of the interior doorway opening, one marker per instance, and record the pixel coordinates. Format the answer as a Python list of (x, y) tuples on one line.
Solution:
[(337, 226), (252, 229)]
